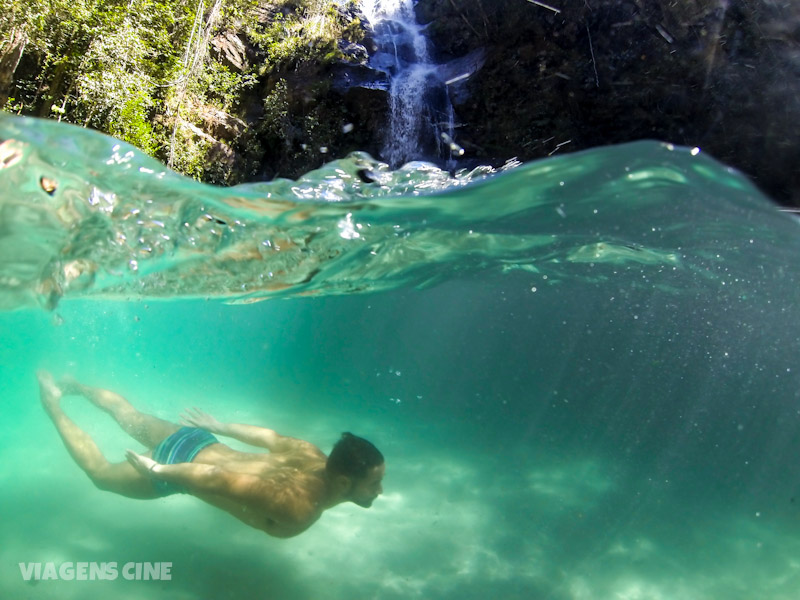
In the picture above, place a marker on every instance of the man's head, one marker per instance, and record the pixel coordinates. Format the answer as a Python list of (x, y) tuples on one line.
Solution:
[(356, 469)]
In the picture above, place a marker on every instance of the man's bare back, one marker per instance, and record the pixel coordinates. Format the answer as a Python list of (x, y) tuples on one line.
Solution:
[(282, 491)]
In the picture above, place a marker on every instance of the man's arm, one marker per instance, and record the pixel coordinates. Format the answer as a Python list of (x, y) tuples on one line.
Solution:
[(249, 434)]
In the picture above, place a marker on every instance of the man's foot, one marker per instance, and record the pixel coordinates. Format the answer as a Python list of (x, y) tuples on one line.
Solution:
[(49, 391)]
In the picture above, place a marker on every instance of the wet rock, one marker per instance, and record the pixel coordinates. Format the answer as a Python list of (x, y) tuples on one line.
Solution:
[(457, 71), (220, 125), (353, 53), (350, 76), (230, 50)]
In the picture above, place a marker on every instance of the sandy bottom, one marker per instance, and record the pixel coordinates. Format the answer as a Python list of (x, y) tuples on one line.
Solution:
[(456, 521)]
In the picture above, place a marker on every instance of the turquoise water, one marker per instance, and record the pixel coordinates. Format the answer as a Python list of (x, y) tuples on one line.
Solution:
[(582, 371)]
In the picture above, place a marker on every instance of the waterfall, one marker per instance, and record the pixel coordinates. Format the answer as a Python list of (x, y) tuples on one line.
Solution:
[(421, 115)]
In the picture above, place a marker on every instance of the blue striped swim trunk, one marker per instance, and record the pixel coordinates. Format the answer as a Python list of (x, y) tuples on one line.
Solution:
[(181, 447)]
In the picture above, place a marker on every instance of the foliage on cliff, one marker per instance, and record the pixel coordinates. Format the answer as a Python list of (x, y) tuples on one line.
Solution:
[(174, 78)]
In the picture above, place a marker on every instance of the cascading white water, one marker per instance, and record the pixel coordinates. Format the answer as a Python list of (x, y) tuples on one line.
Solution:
[(421, 116)]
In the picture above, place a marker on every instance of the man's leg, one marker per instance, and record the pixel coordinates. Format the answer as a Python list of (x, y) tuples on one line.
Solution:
[(145, 429), (120, 478)]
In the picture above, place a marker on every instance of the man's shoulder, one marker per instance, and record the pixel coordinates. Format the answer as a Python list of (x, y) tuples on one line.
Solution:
[(304, 449)]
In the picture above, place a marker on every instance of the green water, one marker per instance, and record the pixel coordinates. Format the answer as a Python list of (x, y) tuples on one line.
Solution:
[(582, 372)]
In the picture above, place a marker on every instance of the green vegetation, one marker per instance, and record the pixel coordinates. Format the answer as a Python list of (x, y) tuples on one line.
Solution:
[(174, 78)]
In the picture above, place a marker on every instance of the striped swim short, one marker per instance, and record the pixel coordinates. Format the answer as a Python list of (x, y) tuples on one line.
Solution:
[(181, 447)]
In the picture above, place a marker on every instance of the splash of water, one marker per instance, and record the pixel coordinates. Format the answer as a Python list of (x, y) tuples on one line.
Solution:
[(83, 215), (421, 115)]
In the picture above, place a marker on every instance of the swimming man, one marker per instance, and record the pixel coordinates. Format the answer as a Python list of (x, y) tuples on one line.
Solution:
[(282, 492)]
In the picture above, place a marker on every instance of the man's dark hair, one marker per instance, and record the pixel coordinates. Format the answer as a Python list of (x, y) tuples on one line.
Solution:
[(353, 456)]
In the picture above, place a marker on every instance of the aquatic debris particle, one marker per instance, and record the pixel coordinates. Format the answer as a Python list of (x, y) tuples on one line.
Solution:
[(591, 50), (664, 33), (348, 127), (454, 148), (10, 153), (547, 6), (48, 185), (79, 274), (558, 146), (455, 79)]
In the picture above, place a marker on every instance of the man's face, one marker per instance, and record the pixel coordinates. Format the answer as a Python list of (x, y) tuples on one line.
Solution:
[(366, 489)]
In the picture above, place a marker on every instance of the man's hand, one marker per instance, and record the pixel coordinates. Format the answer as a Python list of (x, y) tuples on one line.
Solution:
[(194, 417), (146, 466)]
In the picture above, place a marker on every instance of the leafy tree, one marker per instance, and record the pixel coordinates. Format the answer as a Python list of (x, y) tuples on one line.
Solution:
[(142, 70)]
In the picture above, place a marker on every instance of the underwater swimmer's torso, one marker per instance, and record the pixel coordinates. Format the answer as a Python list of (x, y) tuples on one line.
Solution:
[(294, 476)]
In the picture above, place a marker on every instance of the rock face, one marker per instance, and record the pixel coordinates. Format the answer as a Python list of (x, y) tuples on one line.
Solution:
[(723, 75), (302, 119), (230, 50), (306, 112)]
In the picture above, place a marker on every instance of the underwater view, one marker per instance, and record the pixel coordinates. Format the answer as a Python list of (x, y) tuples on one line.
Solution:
[(581, 372)]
